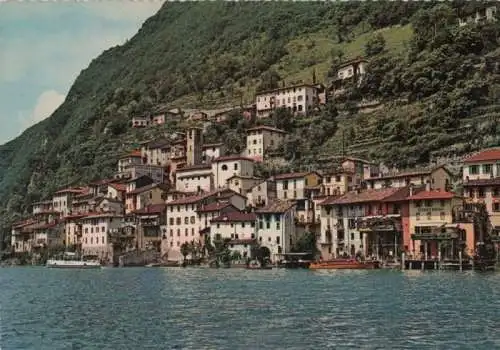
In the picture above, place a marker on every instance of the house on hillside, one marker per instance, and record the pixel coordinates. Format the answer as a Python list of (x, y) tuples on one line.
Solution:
[(261, 138), (351, 71), (487, 14), (299, 99)]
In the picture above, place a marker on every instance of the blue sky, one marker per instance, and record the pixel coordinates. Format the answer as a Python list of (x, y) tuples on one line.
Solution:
[(44, 46)]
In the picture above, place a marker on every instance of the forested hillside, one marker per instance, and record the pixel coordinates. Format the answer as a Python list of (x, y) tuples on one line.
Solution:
[(436, 84)]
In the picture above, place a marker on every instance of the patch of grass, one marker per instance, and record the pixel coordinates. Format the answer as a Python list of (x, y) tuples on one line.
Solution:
[(314, 51)]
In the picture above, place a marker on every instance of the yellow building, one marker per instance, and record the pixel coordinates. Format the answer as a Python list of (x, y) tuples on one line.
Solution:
[(431, 217)]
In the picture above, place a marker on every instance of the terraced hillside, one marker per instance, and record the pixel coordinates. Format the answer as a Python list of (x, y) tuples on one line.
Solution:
[(437, 84)]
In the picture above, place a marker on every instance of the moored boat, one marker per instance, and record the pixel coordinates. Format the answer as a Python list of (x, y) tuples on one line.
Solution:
[(71, 261), (344, 264)]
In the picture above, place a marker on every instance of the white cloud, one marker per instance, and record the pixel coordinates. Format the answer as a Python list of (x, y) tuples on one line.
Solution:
[(46, 104)]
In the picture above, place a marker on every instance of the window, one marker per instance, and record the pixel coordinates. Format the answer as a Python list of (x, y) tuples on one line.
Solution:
[(442, 215), (285, 195), (496, 206), (171, 233), (441, 203), (351, 223), (235, 166), (285, 185), (337, 178), (178, 232), (178, 221), (193, 219), (428, 203), (171, 221), (102, 239), (480, 192), (277, 240), (429, 215), (417, 217), (192, 232), (268, 225), (224, 167), (186, 220), (242, 225), (186, 232), (352, 236), (278, 226), (474, 169), (495, 192), (487, 168)]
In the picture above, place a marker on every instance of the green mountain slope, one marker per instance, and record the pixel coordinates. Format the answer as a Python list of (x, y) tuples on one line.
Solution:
[(438, 88)]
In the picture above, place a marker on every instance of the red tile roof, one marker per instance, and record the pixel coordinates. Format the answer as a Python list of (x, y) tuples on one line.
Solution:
[(119, 187), (410, 173), (294, 175), (364, 196), (44, 226), (194, 167), (484, 156), (268, 128), (151, 209), (74, 216), (77, 190), (235, 217), (101, 215), (134, 154), (214, 207), (277, 206), (221, 193), (433, 195), (329, 200), (232, 158), (147, 188)]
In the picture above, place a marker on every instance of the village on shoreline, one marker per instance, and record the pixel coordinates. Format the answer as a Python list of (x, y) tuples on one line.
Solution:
[(181, 199)]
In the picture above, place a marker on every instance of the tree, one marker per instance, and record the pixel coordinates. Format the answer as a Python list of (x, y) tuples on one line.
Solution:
[(185, 250), (375, 45), (261, 254), (306, 244), (222, 252), (283, 119)]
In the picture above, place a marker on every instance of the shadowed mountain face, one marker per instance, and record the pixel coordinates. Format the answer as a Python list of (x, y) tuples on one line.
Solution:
[(432, 86)]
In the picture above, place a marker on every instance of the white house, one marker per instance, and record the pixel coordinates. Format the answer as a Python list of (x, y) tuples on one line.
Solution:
[(298, 99), (276, 227), (133, 158), (96, 231), (239, 228), (262, 193), (186, 220), (261, 138), (242, 184), (61, 201), (194, 178), (223, 168), (212, 151)]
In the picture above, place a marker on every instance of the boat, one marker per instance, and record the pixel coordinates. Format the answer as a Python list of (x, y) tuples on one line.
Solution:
[(255, 265), (72, 261), (344, 264)]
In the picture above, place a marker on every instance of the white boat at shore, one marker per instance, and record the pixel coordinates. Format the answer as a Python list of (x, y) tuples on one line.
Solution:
[(71, 261)]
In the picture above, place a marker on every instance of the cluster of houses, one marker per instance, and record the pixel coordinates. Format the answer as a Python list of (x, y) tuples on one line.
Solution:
[(182, 190)]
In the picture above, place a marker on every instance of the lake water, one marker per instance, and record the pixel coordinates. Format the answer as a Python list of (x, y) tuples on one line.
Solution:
[(141, 308)]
